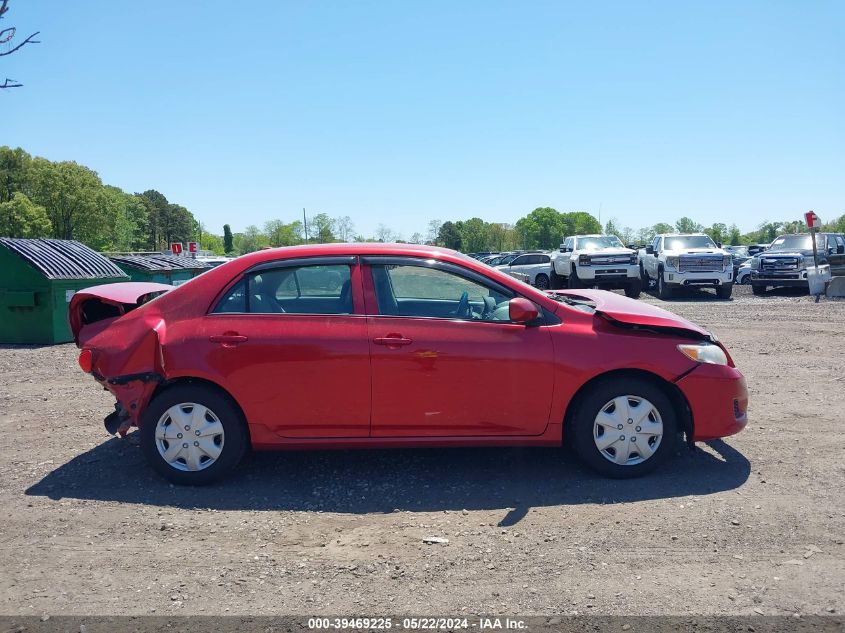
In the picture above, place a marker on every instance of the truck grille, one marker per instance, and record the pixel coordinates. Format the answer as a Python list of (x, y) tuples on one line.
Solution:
[(700, 263), (598, 260), (778, 263)]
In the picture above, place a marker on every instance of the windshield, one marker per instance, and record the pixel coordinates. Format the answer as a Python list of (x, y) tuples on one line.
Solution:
[(596, 243), (737, 250), (507, 259), (796, 243), (688, 241)]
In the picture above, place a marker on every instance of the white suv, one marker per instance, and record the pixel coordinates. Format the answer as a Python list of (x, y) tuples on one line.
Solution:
[(537, 266), (596, 260)]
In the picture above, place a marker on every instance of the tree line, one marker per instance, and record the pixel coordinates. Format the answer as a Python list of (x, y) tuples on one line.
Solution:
[(65, 200), (43, 198)]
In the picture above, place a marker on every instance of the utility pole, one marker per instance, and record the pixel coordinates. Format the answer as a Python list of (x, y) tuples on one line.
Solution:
[(305, 222)]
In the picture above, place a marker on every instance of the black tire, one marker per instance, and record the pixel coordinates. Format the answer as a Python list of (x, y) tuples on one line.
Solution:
[(724, 291), (234, 437), (644, 277), (744, 280), (663, 291), (556, 281), (758, 289), (574, 280), (634, 289), (583, 426), (541, 282)]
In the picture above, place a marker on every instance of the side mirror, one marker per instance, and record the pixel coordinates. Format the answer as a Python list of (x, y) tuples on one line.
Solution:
[(562, 248), (649, 250), (521, 310), (718, 245)]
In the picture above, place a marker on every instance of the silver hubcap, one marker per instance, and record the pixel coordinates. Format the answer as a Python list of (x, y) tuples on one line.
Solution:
[(189, 436), (628, 430)]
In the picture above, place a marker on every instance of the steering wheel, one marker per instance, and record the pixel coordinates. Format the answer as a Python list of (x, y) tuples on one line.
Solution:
[(463, 310)]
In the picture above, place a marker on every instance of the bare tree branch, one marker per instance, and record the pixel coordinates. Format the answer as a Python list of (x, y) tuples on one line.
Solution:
[(11, 33), (28, 40), (6, 83), (3, 7)]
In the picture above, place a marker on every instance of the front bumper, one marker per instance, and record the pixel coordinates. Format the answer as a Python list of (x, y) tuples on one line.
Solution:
[(797, 278), (718, 399), (672, 277), (609, 273)]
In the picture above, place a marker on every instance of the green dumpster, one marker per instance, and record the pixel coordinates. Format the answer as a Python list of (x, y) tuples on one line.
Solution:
[(160, 268), (37, 280), (142, 268), (184, 268)]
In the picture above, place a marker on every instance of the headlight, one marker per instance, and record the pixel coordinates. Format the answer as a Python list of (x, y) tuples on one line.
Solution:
[(584, 260), (704, 353), (672, 262), (634, 258), (801, 261), (727, 262), (755, 263)]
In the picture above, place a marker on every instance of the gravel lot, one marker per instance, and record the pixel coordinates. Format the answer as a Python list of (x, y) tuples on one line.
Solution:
[(754, 524)]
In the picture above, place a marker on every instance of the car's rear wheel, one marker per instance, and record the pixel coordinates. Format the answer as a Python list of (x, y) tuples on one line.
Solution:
[(624, 427), (541, 281), (193, 435)]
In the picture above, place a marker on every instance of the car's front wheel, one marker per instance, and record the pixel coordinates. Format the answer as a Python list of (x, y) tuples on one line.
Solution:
[(663, 291), (193, 435), (624, 427), (634, 289)]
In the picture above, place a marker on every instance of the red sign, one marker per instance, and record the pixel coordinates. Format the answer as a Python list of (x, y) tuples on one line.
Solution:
[(812, 220), (192, 247), (176, 248)]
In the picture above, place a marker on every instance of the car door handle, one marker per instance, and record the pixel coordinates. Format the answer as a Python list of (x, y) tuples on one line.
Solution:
[(228, 339), (392, 339)]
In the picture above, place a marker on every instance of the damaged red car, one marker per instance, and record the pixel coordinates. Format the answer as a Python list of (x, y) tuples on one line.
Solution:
[(379, 345)]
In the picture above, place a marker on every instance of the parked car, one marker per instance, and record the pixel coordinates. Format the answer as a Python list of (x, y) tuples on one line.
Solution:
[(742, 275), (754, 249), (537, 266), (387, 345), (686, 260), (785, 262), (596, 260)]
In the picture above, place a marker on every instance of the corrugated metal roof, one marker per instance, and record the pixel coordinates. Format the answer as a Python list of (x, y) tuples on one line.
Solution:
[(181, 262), (142, 262), (63, 259)]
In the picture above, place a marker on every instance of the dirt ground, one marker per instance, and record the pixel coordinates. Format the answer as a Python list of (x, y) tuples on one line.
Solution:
[(754, 524)]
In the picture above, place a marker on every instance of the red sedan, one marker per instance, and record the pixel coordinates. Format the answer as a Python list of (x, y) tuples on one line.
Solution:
[(381, 345)]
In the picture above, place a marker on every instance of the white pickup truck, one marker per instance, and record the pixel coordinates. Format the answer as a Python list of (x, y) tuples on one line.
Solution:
[(692, 260), (596, 260)]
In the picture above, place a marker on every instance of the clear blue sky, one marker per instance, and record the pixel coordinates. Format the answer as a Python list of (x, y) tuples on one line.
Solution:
[(400, 112)]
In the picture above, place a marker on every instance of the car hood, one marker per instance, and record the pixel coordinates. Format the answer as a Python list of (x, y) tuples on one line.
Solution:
[(633, 313), (795, 252)]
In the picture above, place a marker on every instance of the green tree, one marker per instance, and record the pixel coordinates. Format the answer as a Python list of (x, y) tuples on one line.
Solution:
[(70, 194), (15, 172), (281, 234), (662, 227), (20, 217), (611, 229), (252, 239), (686, 225), (449, 235), (580, 223), (474, 235), (345, 228), (544, 227), (228, 244), (718, 232), (320, 227), (734, 236)]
